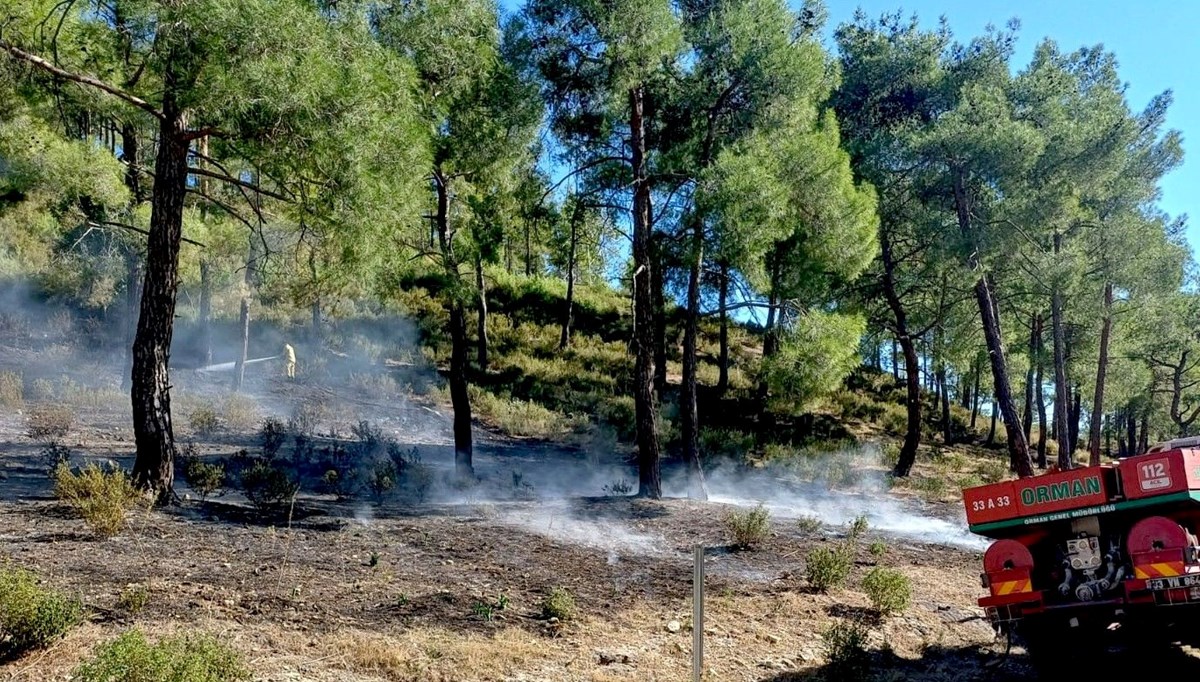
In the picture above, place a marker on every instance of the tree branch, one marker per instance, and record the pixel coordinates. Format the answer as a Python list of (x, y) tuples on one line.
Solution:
[(196, 170), (139, 230), (80, 78)]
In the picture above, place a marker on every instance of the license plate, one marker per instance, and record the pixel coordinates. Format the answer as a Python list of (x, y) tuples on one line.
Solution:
[(1170, 583)]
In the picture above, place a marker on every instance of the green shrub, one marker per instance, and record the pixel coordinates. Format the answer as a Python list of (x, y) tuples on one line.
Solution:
[(12, 390), (382, 479), (271, 436), (206, 478), (825, 568), (889, 590), (857, 527), (889, 455), (931, 487), (559, 603), (204, 421), (992, 471), (748, 529), (32, 616), (878, 549), (189, 658), (894, 420), (133, 599), (522, 418), (268, 486), (809, 524), (102, 497), (49, 422), (846, 650)]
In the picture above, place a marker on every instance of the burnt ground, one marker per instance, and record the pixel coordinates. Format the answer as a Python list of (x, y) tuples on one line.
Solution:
[(361, 590)]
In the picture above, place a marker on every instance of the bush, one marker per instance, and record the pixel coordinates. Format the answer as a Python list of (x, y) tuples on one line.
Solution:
[(133, 599), (825, 568), (53, 455), (857, 527), (894, 420), (12, 390), (382, 479), (846, 650), (750, 528), (522, 418), (889, 455), (878, 549), (809, 524), (931, 487), (103, 497), (32, 616), (559, 603), (268, 486), (618, 488), (204, 421), (49, 422), (993, 472), (130, 658), (889, 590), (206, 478), (239, 413), (272, 435)]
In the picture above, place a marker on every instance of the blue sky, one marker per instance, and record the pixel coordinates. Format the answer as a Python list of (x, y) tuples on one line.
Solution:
[(1155, 42)]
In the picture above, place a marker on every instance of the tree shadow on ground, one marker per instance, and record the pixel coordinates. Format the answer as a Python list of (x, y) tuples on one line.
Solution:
[(960, 664)]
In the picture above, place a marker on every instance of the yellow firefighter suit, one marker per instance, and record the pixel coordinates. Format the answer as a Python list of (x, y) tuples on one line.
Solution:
[(289, 356)]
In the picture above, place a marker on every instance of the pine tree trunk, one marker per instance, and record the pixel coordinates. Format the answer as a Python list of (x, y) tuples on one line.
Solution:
[(1131, 430), (895, 366), (660, 312), (964, 390), (1108, 436), (150, 393), (766, 418), (1144, 434), (912, 371), (649, 473), (1018, 448), (481, 327), (947, 435), (460, 398), (239, 368), (991, 438), (1041, 409), (689, 417), (1035, 333), (564, 338), (975, 398), (723, 361), (205, 312), (1062, 401), (1076, 414), (528, 249), (1101, 375)]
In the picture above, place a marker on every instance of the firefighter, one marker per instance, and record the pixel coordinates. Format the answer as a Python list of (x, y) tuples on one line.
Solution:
[(289, 357)]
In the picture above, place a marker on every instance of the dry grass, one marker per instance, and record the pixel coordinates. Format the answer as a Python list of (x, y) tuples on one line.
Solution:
[(12, 390), (436, 655)]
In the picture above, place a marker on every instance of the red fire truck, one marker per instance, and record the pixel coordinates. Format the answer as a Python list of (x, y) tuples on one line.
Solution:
[(1088, 555)]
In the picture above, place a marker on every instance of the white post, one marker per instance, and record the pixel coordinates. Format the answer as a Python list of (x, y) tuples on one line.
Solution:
[(698, 614)]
